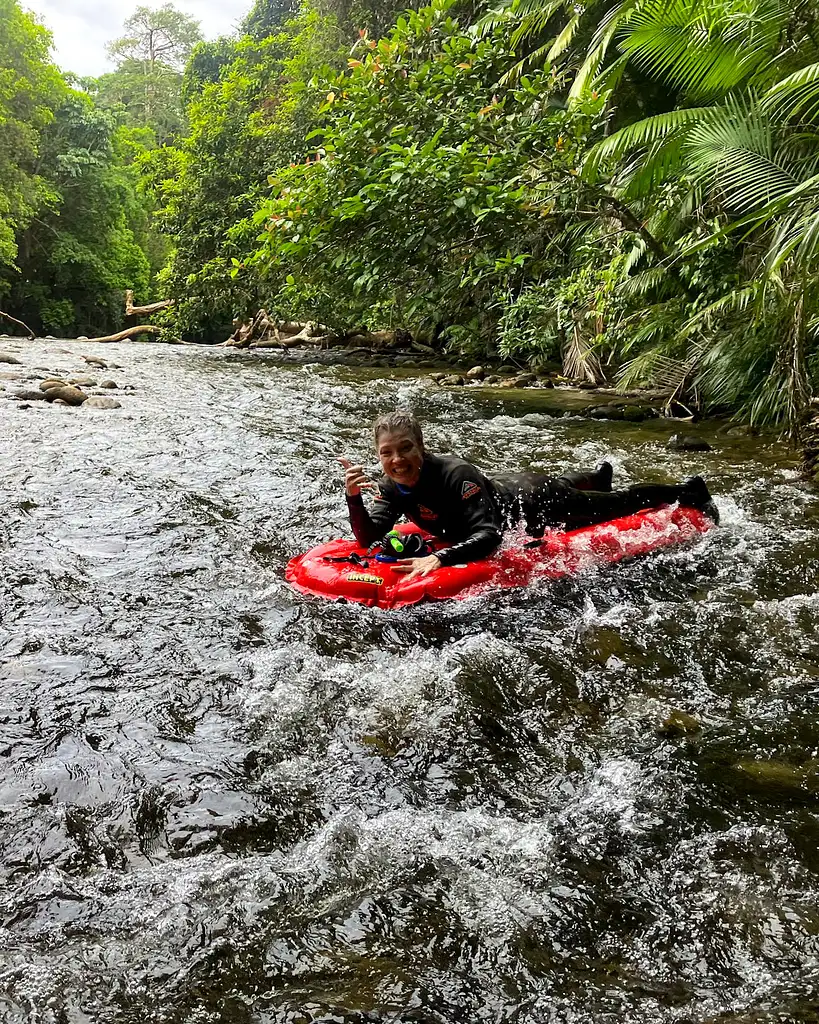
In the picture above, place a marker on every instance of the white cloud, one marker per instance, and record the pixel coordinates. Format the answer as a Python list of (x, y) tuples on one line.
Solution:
[(81, 28)]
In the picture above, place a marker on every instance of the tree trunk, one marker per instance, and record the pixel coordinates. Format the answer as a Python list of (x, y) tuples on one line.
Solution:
[(154, 307), (130, 332)]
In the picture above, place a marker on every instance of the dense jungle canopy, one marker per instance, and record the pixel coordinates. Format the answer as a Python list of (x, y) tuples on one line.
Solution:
[(628, 188)]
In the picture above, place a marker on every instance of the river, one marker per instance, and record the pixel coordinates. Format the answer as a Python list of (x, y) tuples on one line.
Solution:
[(222, 801)]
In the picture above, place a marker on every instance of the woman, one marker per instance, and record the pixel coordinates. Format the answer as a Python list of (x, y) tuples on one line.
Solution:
[(451, 499)]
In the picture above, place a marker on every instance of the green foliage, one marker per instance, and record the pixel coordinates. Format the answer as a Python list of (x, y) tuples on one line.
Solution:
[(30, 89), (161, 35), (428, 193), (267, 17), (246, 123)]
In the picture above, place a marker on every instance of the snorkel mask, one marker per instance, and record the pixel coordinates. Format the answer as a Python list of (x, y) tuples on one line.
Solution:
[(402, 545)]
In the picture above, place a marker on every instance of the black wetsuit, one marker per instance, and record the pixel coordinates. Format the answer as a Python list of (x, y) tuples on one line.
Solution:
[(456, 502)]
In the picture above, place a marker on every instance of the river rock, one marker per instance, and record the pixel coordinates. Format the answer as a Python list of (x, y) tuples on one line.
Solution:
[(101, 402), (742, 430), (679, 724), (637, 413), (7, 357), (66, 395), (778, 775), (94, 361), (51, 383), (476, 373), (687, 443), (453, 380), (507, 370), (10, 375), (83, 381), (523, 380), (493, 378), (28, 396), (108, 384)]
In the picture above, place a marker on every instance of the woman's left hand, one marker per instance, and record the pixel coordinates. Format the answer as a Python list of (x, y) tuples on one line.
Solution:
[(417, 566)]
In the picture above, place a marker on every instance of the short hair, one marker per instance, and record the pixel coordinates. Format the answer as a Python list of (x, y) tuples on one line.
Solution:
[(399, 422)]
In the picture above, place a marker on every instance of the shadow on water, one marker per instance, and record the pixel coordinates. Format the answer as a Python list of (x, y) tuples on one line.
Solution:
[(595, 801)]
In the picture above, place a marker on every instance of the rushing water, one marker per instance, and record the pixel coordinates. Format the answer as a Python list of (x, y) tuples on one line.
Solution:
[(221, 801)]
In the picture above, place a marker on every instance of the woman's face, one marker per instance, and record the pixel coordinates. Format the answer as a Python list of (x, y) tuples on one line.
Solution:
[(401, 458)]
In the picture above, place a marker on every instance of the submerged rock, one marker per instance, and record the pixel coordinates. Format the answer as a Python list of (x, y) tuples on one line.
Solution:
[(679, 723), (83, 381), (108, 384), (687, 443), (7, 357), (780, 775), (453, 380)]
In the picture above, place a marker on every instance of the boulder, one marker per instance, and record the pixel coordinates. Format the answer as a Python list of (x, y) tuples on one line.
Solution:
[(82, 380), (7, 357), (476, 373), (108, 384), (94, 361), (493, 378), (453, 380), (523, 380), (51, 383), (101, 402), (742, 430), (66, 395), (505, 370), (10, 375), (687, 443), (438, 376)]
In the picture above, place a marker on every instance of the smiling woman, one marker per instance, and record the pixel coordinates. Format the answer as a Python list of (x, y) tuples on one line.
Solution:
[(455, 502)]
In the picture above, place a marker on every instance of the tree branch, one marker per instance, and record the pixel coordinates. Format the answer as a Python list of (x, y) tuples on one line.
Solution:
[(20, 323)]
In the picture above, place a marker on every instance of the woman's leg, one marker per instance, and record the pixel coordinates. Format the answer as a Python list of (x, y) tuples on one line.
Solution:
[(570, 508)]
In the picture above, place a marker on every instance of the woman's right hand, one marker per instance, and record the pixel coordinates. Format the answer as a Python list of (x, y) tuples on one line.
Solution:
[(355, 478)]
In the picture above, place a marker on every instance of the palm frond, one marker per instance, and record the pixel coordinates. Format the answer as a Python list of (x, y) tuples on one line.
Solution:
[(642, 134), (796, 95), (734, 152), (702, 48), (654, 279)]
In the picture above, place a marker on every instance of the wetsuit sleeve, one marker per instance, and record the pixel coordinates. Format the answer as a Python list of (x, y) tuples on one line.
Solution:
[(369, 527), (469, 492)]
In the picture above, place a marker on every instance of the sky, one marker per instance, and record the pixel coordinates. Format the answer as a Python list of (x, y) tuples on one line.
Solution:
[(81, 28)]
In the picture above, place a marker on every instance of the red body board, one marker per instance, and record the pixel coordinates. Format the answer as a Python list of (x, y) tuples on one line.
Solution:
[(561, 553)]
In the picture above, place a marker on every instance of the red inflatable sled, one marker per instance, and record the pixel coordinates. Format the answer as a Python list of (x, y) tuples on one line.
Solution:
[(325, 572)]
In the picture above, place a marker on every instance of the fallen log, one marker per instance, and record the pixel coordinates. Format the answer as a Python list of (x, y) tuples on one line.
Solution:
[(20, 323), (154, 307), (130, 332)]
